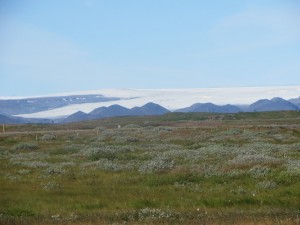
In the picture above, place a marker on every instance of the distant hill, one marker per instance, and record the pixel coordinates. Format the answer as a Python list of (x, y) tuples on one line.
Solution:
[(111, 111), (76, 117), (275, 104), (5, 119), (150, 109), (295, 101), (10, 120), (209, 107), (32, 105), (117, 110)]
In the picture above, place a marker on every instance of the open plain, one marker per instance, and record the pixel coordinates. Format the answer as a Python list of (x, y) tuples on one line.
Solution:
[(179, 168)]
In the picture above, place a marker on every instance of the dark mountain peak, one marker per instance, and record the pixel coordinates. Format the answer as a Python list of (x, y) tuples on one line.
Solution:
[(110, 111), (79, 113), (113, 108), (154, 106), (151, 104), (275, 104), (76, 117), (278, 99), (117, 110), (149, 109)]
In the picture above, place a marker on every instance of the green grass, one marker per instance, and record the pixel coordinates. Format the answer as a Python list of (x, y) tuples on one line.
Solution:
[(197, 165)]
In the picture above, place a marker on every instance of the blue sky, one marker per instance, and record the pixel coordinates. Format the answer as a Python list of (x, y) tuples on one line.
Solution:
[(73, 45)]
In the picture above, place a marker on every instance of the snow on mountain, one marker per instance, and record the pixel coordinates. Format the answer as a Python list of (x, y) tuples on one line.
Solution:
[(171, 99)]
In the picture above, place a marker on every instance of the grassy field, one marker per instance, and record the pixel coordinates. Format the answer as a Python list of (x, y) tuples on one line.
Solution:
[(192, 168)]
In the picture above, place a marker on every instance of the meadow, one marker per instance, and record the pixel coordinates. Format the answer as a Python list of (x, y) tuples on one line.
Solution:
[(179, 168)]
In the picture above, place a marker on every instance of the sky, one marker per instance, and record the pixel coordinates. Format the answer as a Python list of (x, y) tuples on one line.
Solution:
[(76, 45)]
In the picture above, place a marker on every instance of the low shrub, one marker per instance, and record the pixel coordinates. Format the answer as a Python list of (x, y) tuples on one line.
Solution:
[(26, 146), (48, 137), (157, 164)]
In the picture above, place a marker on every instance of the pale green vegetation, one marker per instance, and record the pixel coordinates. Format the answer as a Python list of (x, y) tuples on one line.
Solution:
[(173, 169)]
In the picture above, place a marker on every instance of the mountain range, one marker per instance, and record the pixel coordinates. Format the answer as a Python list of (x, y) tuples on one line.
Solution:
[(275, 104), (117, 110), (63, 105), (79, 107)]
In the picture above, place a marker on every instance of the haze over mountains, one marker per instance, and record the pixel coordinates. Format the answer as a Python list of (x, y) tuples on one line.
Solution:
[(134, 102)]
